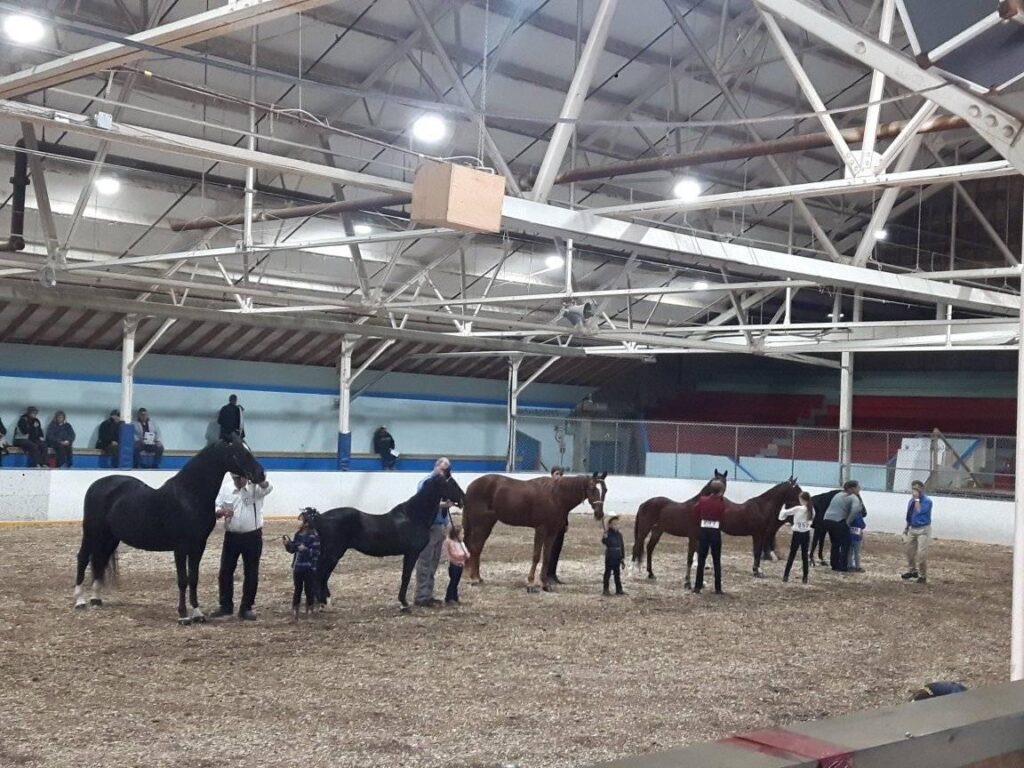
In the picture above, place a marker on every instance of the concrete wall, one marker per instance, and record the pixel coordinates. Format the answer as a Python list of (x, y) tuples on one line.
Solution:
[(45, 495)]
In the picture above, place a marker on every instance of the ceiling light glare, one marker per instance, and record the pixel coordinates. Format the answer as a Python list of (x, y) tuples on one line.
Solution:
[(700, 285), (107, 185), (882, 234), (430, 129), (362, 229), (687, 190), (23, 29), (554, 261)]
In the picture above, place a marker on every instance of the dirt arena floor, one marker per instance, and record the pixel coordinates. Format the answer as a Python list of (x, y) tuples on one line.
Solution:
[(509, 678)]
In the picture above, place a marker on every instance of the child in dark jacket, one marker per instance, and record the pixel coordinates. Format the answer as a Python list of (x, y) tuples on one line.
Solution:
[(306, 548), (614, 554)]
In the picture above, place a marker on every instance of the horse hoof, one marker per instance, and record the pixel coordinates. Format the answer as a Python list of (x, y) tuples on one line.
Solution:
[(405, 609), (184, 621), (549, 588), (96, 602), (81, 605), (651, 577), (199, 619)]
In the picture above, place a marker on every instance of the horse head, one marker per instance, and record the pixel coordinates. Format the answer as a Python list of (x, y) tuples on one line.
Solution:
[(792, 493), (238, 459), (723, 476), (596, 492), (452, 491)]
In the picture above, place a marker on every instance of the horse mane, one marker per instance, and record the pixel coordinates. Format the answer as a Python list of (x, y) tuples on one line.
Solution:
[(571, 490)]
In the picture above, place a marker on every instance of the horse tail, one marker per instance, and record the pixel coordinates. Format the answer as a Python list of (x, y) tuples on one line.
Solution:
[(640, 533), (104, 561)]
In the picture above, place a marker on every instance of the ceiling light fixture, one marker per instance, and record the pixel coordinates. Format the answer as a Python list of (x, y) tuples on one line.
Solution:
[(554, 261), (23, 29), (700, 285), (362, 229), (687, 190), (430, 128), (107, 185), (882, 234)]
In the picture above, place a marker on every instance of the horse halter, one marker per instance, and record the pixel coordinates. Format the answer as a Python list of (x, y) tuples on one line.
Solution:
[(602, 490)]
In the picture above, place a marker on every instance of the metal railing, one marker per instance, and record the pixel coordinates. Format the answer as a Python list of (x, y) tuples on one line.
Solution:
[(879, 460)]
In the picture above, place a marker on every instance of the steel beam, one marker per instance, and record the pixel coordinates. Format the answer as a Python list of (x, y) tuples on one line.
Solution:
[(574, 99), (228, 18)]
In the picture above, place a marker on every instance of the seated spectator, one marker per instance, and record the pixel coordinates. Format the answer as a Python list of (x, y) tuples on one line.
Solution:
[(231, 419), (109, 436), (3, 443), (147, 439), (28, 436), (384, 446), (60, 436)]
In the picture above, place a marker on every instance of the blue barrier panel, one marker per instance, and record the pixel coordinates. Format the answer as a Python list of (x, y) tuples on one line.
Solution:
[(126, 444), (344, 450)]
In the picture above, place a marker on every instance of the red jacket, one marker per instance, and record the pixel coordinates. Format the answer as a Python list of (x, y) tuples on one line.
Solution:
[(711, 508)]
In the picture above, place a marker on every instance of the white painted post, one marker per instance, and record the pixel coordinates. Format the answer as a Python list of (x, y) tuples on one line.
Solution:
[(126, 433), (513, 410), (1017, 609), (345, 403)]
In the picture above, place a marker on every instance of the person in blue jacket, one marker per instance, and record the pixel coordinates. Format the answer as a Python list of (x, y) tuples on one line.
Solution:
[(918, 533)]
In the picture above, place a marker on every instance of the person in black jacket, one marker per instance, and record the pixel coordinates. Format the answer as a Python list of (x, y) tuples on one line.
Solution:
[(29, 437), (384, 446), (614, 553), (108, 439), (230, 419), (60, 436)]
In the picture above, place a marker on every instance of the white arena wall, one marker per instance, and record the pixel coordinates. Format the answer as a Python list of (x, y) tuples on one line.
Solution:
[(55, 495)]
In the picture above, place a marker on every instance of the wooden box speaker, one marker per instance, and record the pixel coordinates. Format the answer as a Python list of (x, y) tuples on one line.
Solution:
[(980, 42), (459, 197)]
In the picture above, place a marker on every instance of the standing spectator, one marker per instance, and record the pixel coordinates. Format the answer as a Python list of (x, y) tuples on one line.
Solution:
[(108, 437), (28, 436), (918, 533), (384, 446), (306, 548), (241, 506), (231, 419), (802, 516), (614, 553), (430, 557), (843, 508), (556, 547), (147, 439), (710, 511), (857, 526), (457, 556), (60, 436)]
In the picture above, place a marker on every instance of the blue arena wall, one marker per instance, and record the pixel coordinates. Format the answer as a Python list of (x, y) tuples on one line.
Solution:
[(289, 409)]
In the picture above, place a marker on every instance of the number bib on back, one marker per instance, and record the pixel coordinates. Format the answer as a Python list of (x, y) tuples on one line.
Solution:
[(709, 523)]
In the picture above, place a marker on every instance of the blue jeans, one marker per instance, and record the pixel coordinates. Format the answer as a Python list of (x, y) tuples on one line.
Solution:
[(853, 560)]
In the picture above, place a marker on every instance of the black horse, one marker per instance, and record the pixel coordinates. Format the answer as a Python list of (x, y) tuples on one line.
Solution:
[(820, 503), (405, 531), (178, 517)]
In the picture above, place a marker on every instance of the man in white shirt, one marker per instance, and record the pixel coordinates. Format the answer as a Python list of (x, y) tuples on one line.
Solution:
[(241, 506)]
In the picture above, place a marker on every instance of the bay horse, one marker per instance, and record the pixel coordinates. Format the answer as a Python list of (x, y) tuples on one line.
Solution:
[(404, 531), (177, 517), (542, 504), (646, 521)]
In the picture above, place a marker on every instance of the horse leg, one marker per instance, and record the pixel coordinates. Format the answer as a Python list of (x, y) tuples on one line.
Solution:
[(758, 549), (655, 538), (326, 569), (100, 558), (181, 565), (84, 555), (538, 543), (546, 560), (197, 615), (691, 547), (475, 544), (408, 564)]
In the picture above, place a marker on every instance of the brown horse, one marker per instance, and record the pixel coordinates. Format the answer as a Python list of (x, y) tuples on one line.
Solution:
[(543, 504), (757, 517), (648, 514)]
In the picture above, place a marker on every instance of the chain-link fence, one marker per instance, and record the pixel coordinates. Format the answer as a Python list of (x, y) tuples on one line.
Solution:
[(879, 460)]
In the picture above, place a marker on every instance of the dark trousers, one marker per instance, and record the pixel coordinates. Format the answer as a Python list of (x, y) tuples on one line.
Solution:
[(113, 453), (613, 568), (35, 453), (248, 546), (157, 451), (387, 460), (839, 540), (451, 595), (304, 580), (710, 540), (556, 553), (63, 454), (799, 541)]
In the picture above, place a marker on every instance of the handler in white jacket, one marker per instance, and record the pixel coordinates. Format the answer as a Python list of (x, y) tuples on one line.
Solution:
[(803, 516), (241, 506)]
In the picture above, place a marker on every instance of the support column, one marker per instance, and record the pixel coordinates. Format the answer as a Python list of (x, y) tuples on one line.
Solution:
[(345, 403), (126, 432), (513, 410), (846, 395), (1017, 605)]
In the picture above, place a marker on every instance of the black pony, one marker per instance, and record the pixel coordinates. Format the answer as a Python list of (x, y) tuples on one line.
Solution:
[(178, 517), (405, 531), (820, 503)]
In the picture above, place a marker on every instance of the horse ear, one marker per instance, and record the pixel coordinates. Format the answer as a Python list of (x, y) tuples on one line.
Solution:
[(604, 474), (595, 475)]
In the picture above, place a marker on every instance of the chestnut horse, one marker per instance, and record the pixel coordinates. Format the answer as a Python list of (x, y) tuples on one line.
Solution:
[(646, 522), (542, 504)]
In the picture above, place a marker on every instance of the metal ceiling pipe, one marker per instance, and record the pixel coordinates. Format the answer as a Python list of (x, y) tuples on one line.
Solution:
[(295, 212), (19, 182), (745, 151)]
